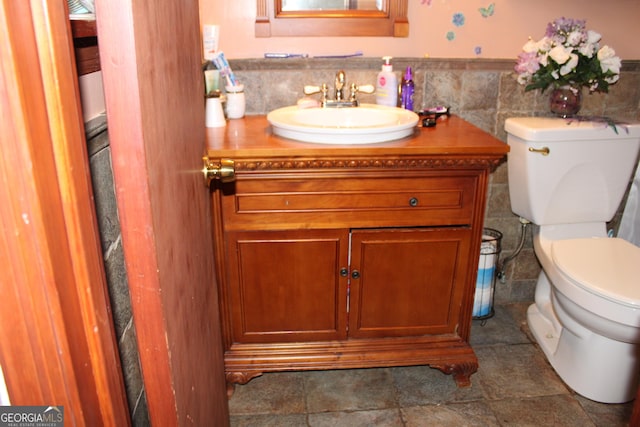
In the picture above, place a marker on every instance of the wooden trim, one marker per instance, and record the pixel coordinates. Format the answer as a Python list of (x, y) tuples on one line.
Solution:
[(55, 309), (157, 141), (120, 78), (272, 23), (85, 42)]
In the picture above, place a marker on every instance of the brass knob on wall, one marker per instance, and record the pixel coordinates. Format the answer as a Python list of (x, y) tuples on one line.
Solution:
[(223, 170)]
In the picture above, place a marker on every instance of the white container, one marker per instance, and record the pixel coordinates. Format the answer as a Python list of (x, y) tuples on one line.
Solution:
[(387, 85), (210, 37), (214, 116), (236, 101)]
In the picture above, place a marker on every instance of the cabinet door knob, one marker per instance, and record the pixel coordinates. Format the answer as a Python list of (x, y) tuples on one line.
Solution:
[(413, 202), (355, 274), (344, 272)]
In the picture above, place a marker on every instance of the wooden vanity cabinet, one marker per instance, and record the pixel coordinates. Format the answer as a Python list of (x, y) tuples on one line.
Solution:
[(349, 257)]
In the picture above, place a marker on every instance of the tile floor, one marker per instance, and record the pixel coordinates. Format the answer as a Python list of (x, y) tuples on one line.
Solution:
[(514, 386)]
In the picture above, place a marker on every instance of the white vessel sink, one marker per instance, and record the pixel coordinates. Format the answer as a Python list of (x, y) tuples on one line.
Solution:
[(365, 124)]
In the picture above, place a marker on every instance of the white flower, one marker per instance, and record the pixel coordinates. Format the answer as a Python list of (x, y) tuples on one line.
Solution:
[(574, 38), (593, 37), (530, 46), (590, 46), (608, 60), (523, 78), (611, 80), (544, 44), (588, 50), (544, 59), (559, 54), (571, 64)]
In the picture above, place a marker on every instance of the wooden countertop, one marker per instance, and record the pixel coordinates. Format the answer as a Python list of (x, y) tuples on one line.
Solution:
[(251, 137)]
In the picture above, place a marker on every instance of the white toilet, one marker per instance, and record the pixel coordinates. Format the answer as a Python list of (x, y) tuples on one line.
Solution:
[(568, 178)]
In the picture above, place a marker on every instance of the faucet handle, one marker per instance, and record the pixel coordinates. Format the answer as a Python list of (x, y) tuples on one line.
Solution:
[(310, 90), (366, 88)]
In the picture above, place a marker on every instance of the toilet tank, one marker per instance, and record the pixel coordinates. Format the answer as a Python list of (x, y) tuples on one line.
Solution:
[(583, 177)]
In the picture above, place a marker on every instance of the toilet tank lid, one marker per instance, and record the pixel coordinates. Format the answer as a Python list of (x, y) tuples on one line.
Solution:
[(557, 129)]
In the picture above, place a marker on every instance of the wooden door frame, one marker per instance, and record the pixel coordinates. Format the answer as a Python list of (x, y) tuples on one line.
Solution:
[(56, 329), (151, 63)]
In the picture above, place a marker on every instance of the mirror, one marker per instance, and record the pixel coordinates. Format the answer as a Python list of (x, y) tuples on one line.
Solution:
[(282, 18)]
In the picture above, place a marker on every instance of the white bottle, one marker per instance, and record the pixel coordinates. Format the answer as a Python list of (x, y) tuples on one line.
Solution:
[(387, 85)]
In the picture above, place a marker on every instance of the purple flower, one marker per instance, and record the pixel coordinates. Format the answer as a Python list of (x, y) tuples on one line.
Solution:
[(527, 63), (561, 28)]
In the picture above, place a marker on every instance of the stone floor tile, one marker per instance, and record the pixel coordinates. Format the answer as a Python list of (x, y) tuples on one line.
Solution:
[(515, 371), (559, 410), (269, 420), (273, 393), (349, 390), (606, 415), (514, 386), (458, 415), (422, 385), (503, 328), (380, 417)]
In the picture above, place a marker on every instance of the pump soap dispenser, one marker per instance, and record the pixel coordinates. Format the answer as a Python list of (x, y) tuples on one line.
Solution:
[(387, 85)]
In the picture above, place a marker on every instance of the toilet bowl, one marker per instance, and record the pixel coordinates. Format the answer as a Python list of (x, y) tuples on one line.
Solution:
[(568, 178), (588, 325)]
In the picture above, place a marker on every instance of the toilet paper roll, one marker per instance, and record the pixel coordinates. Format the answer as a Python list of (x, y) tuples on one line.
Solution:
[(485, 277), (486, 261), (482, 302)]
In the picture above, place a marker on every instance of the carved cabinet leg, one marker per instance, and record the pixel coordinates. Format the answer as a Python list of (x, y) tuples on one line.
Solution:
[(234, 378), (231, 387), (461, 372)]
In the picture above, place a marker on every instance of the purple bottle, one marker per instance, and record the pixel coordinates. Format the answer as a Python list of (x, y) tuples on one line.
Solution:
[(406, 91)]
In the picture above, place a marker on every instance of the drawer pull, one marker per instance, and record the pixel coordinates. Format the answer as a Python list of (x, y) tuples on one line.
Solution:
[(355, 274), (344, 272), (413, 202)]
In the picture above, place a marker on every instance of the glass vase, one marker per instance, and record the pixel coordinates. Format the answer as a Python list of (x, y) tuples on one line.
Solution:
[(565, 101)]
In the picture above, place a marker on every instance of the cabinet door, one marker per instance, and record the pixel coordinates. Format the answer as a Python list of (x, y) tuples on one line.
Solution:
[(407, 282), (285, 286)]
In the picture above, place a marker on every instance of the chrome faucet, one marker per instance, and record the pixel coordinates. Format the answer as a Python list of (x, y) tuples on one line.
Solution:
[(339, 100)]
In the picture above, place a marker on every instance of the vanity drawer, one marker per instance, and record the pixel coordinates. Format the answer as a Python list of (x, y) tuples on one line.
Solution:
[(361, 202)]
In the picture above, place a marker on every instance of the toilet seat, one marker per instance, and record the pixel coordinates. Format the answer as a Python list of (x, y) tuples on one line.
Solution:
[(606, 267)]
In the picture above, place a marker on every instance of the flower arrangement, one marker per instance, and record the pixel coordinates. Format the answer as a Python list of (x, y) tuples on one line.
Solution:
[(568, 55)]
